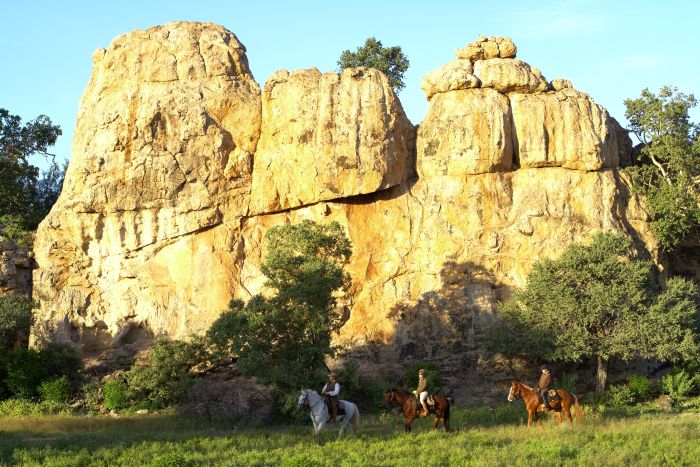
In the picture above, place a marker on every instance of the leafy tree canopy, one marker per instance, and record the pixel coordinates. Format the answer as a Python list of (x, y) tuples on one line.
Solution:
[(599, 301), (390, 60), (283, 339), (23, 192), (668, 173)]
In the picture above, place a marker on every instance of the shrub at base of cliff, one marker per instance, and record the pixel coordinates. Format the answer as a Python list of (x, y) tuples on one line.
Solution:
[(15, 319), (163, 378), (282, 340), (24, 370), (56, 390), (367, 393), (600, 301)]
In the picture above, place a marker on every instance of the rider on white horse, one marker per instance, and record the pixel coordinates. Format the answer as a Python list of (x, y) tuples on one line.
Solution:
[(319, 412)]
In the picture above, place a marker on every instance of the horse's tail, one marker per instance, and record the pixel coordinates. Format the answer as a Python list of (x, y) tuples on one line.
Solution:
[(449, 401), (356, 419), (579, 411)]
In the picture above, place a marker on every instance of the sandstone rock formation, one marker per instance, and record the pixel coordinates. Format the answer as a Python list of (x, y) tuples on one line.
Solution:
[(466, 132), (328, 136), (180, 167)]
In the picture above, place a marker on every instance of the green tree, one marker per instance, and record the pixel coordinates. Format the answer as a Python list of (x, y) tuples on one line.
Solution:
[(15, 319), (668, 171), (600, 301), (283, 339), (390, 60), (18, 190)]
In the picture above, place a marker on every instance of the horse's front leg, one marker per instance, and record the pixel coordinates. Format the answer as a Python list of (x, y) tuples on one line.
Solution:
[(435, 422), (529, 419), (559, 418)]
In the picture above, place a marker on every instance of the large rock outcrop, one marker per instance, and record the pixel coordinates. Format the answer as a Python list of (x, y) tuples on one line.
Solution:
[(162, 219), (329, 136)]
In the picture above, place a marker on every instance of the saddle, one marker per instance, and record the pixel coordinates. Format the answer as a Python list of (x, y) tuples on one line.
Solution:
[(429, 401), (552, 397), (341, 406)]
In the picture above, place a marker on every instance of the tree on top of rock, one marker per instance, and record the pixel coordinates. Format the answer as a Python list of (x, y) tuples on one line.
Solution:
[(668, 170), (599, 301), (389, 60)]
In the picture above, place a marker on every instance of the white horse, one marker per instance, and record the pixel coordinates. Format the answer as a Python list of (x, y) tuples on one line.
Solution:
[(319, 412)]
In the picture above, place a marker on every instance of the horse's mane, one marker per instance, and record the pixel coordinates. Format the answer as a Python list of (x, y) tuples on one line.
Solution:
[(525, 386)]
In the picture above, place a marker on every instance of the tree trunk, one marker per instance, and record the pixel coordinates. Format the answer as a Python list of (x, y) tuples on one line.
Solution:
[(601, 375)]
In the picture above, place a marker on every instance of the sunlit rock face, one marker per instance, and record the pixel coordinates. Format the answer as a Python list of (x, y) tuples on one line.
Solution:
[(327, 136), (180, 165)]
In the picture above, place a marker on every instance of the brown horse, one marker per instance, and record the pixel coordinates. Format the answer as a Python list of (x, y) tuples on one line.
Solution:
[(411, 408), (531, 397)]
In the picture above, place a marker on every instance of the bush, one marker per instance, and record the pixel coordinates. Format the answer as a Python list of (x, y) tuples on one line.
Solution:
[(92, 394), (619, 396), (62, 360), (24, 408), (677, 384), (163, 380), (367, 393), (15, 319), (639, 386), (56, 390), (116, 395), (24, 372), (432, 370)]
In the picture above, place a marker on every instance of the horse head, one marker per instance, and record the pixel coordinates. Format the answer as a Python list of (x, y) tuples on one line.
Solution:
[(303, 399), (389, 397), (514, 390)]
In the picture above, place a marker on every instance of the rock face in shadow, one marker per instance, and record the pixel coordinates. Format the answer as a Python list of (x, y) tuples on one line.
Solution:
[(180, 165)]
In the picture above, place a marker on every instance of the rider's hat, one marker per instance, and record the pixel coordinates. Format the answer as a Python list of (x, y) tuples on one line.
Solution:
[(332, 375), (421, 371), (543, 367)]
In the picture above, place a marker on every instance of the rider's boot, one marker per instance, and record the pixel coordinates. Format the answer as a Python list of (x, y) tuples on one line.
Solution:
[(423, 413)]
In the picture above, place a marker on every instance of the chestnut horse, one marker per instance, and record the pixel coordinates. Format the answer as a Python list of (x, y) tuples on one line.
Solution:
[(531, 397), (411, 408)]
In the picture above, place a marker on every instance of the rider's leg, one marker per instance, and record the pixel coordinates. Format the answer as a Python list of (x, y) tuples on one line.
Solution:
[(334, 409), (423, 396)]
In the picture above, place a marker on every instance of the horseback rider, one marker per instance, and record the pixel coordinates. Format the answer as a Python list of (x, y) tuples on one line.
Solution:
[(331, 390), (544, 384), (422, 392)]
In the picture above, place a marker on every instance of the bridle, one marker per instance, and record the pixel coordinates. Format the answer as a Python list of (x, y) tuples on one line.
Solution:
[(512, 393), (306, 401)]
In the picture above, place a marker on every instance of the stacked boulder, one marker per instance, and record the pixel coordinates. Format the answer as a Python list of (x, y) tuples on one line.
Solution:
[(500, 114)]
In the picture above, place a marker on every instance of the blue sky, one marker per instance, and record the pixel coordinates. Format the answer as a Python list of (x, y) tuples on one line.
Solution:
[(611, 50)]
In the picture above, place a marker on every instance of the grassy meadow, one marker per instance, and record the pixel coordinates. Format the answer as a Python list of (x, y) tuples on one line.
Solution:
[(481, 436)]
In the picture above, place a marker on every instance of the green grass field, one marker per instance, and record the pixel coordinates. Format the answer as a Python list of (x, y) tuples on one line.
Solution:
[(480, 437)]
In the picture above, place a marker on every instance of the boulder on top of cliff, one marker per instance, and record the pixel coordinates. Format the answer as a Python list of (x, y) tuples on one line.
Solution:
[(327, 136), (465, 132), (563, 129), (457, 74), (509, 75), (488, 47)]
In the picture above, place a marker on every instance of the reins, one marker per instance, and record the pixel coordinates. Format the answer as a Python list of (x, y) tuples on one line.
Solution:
[(307, 403)]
